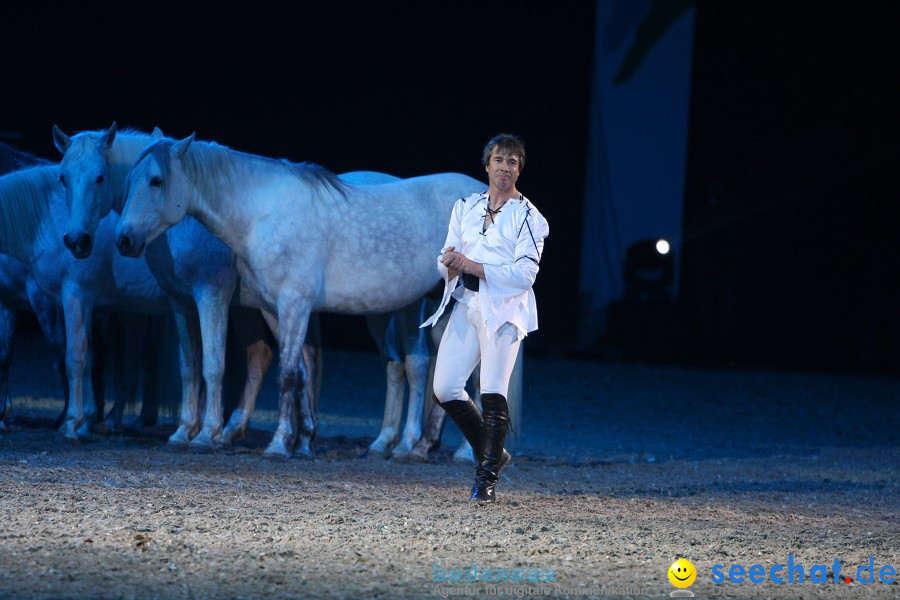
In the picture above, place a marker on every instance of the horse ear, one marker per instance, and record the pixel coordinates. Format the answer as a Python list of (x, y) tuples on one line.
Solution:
[(61, 140), (109, 136), (179, 148), (157, 134)]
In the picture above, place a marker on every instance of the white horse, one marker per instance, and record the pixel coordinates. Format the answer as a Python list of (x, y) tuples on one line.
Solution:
[(32, 213), (19, 291), (304, 241), (198, 271), (190, 265)]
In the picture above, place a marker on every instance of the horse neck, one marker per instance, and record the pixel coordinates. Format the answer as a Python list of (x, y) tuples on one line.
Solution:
[(25, 207), (217, 200)]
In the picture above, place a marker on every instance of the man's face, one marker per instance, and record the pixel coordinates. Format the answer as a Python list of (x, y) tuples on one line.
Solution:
[(502, 170)]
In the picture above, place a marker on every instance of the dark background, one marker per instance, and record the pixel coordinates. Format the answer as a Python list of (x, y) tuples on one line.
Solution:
[(792, 125)]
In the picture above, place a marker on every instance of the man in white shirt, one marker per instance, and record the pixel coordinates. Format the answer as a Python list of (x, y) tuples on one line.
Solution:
[(489, 264)]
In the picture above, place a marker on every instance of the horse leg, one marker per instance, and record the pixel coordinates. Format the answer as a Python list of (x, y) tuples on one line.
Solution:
[(212, 306), (189, 354), (417, 359), (417, 376), (431, 434), (7, 328), (251, 335), (78, 318), (393, 410), (50, 318), (312, 354), (293, 318), (434, 418)]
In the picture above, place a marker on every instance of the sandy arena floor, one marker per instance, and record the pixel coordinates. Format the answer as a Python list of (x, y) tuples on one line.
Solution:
[(620, 470)]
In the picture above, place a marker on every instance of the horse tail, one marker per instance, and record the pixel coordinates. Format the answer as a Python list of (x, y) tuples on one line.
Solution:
[(162, 366), (117, 351)]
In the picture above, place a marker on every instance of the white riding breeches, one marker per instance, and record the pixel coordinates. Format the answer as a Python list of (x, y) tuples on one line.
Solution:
[(465, 342)]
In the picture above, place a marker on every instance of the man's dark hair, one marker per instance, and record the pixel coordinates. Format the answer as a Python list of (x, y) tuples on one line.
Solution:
[(506, 143)]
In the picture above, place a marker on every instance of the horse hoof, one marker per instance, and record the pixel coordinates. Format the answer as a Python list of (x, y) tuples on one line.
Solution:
[(202, 444), (276, 451), (84, 432), (375, 453), (400, 456), (175, 446), (227, 438), (275, 456), (103, 428), (201, 448), (180, 438), (417, 457), (69, 440), (304, 454), (303, 447)]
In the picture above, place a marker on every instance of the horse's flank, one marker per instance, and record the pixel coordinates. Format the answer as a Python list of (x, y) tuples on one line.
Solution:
[(358, 238)]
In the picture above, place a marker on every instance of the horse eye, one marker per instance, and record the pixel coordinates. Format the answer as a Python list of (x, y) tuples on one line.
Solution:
[(62, 179), (155, 181), (100, 179)]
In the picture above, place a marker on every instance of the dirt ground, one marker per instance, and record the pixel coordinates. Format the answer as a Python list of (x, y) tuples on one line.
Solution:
[(620, 470)]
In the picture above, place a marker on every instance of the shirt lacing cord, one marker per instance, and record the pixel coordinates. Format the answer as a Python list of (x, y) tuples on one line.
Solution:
[(488, 212)]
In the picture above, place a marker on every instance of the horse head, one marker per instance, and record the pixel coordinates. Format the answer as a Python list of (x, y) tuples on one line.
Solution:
[(84, 173), (156, 194)]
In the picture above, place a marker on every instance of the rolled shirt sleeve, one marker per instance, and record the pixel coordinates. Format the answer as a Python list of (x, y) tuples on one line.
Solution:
[(454, 239)]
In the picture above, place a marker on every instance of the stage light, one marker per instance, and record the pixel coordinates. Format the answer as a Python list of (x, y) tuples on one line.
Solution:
[(649, 271)]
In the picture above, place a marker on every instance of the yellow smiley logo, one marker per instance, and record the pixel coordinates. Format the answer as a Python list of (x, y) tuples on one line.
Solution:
[(682, 573)]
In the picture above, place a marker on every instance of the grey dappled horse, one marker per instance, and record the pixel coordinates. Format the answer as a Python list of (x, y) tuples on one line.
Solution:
[(304, 241)]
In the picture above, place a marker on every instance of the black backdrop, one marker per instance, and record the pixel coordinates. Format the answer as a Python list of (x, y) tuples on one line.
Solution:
[(793, 117), (403, 88)]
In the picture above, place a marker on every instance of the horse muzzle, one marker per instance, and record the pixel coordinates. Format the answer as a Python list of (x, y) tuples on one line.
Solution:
[(79, 244), (129, 245)]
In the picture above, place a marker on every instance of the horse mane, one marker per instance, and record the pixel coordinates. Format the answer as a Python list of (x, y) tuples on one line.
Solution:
[(24, 206), (317, 176), (209, 158), (13, 159)]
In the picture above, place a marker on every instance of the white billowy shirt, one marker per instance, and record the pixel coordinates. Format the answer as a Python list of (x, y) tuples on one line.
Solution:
[(510, 251)]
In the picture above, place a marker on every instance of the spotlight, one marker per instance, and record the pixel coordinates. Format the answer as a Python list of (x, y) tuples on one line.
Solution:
[(649, 271)]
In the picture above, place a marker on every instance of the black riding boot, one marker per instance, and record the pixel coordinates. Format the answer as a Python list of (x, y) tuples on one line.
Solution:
[(467, 417), (493, 457)]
